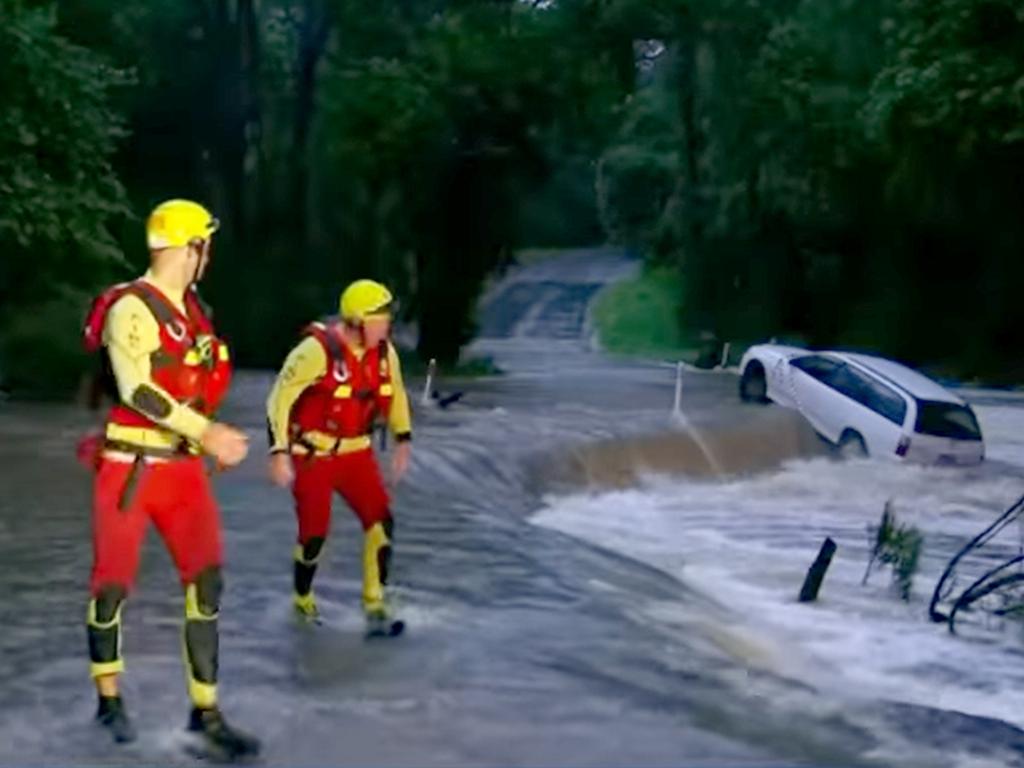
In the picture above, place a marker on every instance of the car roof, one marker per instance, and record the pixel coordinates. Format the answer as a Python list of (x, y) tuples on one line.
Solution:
[(910, 381)]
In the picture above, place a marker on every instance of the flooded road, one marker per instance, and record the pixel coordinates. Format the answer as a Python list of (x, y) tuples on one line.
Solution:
[(564, 608)]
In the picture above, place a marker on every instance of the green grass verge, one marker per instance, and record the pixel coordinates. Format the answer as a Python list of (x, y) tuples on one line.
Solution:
[(641, 317)]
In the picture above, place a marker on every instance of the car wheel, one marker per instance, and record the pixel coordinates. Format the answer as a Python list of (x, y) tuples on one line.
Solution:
[(754, 384), (851, 445)]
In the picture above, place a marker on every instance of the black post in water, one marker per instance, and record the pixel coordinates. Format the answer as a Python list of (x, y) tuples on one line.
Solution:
[(815, 574)]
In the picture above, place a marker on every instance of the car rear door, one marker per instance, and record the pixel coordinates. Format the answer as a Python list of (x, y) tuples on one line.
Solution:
[(876, 410), (816, 398)]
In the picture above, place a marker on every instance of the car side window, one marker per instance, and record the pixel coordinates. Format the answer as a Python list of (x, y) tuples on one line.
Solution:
[(886, 402), (872, 394), (817, 367), (850, 383)]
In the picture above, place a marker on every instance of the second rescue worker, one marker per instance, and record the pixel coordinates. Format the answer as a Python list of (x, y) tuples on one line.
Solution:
[(320, 413)]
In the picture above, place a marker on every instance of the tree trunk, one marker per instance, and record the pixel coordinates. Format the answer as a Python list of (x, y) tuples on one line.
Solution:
[(314, 32)]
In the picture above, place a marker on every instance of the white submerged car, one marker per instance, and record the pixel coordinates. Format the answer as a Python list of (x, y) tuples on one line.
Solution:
[(865, 405)]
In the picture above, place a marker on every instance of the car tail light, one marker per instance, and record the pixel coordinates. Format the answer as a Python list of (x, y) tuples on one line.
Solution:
[(903, 446)]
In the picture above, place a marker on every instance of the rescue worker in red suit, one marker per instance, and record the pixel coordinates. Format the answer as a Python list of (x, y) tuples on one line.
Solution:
[(170, 372), (321, 411)]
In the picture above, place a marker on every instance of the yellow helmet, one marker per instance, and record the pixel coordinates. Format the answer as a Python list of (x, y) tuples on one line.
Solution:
[(176, 223), (362, 298)]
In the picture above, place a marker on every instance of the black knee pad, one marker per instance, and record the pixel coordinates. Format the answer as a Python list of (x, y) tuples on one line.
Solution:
[(209, 585), (311, 549), (108, 600)]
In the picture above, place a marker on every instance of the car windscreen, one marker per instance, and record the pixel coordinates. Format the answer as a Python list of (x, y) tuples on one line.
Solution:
[(946, 420)]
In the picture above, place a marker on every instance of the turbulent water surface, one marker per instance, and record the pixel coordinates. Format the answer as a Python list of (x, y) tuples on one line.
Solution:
[(587, 580)]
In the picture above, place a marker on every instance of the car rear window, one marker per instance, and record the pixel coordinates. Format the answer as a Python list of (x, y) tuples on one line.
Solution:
[(947, 420)]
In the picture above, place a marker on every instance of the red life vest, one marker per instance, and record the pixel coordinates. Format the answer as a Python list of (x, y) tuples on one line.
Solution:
[(192, 364), (344, 402)]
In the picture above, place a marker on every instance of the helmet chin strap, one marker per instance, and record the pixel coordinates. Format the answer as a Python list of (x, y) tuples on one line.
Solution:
[(360, 329), (199, 251)]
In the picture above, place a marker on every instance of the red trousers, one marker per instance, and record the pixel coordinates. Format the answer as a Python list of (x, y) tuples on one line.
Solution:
[(175, 495), (354, 476)]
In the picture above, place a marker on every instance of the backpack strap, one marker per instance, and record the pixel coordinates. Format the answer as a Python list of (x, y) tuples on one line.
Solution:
[(162, 309), (198, 311)]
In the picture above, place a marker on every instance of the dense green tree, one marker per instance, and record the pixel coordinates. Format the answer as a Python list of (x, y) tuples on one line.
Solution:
[(845, 172), (62, 203)]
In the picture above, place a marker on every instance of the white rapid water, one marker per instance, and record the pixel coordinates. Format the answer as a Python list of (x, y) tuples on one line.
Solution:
[(746, 544)]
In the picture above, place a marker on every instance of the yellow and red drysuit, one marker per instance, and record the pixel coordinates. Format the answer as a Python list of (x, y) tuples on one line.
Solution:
[(171, 373), (322, 410)]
